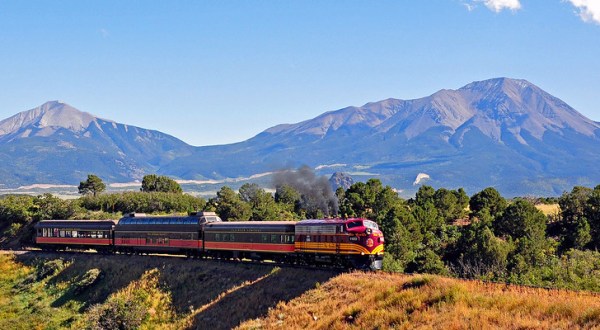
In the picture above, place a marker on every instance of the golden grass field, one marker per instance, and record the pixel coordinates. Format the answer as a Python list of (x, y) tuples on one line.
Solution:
[(548, 209), (393, 301)]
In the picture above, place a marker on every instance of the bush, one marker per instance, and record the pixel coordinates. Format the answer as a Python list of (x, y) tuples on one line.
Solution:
[(117, 313), (49, 268), (140, 304), (87, 280)]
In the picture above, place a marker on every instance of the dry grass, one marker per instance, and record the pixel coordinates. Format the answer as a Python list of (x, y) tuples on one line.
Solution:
[(384, 301), (548, 209)]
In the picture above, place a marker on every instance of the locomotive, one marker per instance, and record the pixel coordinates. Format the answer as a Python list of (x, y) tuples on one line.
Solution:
[(351, 243)]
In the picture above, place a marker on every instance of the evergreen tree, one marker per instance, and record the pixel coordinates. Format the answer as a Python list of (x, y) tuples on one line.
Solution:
[(155, 183), (490, 199), (93, 185), (230, 207), (592, 214), (575, 229)]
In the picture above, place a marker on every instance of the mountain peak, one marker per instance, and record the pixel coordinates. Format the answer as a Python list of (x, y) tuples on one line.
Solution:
[(50, 115), (498, 84)]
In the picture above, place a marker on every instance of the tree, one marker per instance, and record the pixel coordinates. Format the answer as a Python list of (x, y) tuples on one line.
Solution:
[(521, 219), (230, 207), (155, 183), (592, 213), (479, 253), (490, 199), (524, 224), (424, 195), (261, 202), (50, 207), (574, 225), (93, 185)]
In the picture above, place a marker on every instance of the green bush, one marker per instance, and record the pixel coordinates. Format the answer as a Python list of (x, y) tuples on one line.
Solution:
[(87, 280), (118, 313), (49, 268)]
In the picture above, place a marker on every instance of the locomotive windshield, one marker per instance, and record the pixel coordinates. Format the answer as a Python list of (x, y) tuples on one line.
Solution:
[(371, 224), (354, 224)]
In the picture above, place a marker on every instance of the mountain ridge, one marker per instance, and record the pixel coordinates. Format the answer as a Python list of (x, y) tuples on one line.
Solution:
[(501, 132)]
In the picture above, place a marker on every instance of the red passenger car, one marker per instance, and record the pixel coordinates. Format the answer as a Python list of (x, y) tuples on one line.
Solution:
[(60, 234), (170, 234), (272, 240)]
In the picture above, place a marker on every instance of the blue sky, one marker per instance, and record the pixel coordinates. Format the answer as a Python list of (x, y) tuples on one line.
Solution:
[(215, 72)]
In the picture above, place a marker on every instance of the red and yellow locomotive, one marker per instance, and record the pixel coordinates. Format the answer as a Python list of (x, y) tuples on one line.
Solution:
[(349, 242)]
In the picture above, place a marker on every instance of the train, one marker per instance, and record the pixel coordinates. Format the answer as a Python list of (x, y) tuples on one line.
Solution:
[(355, 243)]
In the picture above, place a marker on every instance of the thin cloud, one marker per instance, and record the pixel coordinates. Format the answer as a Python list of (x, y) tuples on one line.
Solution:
[(104, 33), (588, 10), (494, 5), (499, 5)]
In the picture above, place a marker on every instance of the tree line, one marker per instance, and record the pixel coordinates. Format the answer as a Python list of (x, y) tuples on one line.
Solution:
[(440, 231)]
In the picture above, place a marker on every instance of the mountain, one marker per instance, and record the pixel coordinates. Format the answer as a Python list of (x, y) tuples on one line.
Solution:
[(56, 143), (505, 133)]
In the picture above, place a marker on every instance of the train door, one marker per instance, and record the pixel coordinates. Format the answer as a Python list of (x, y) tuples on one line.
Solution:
[(337, 238)]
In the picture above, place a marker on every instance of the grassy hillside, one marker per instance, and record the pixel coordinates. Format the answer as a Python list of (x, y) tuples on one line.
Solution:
[(79, 291), (384, 301), (94, 291)]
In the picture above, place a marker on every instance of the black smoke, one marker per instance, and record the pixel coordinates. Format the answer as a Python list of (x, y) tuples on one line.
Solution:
[(315, 191)]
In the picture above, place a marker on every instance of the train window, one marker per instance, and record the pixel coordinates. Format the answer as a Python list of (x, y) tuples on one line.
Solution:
[(265, 238), (308, 238), (217, 237), (225, 237), (354, 224), (371, 224), (273, 238), (232, 237), (292, 238), (74, 233)]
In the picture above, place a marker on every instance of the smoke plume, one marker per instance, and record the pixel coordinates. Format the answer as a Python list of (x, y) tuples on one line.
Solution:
[(316, 193)]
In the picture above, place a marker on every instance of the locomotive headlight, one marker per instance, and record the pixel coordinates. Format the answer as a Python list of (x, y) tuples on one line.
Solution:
[(370, 242)]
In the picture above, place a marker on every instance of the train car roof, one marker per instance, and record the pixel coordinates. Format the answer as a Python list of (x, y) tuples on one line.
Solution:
[(83, 224), (251, 225), (191, 219), (320, 222)]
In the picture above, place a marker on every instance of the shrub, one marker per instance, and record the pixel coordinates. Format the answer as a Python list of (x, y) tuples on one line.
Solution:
[(87, 280)]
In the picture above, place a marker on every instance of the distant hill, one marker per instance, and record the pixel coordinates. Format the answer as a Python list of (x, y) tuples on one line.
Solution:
[(502, 132)]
